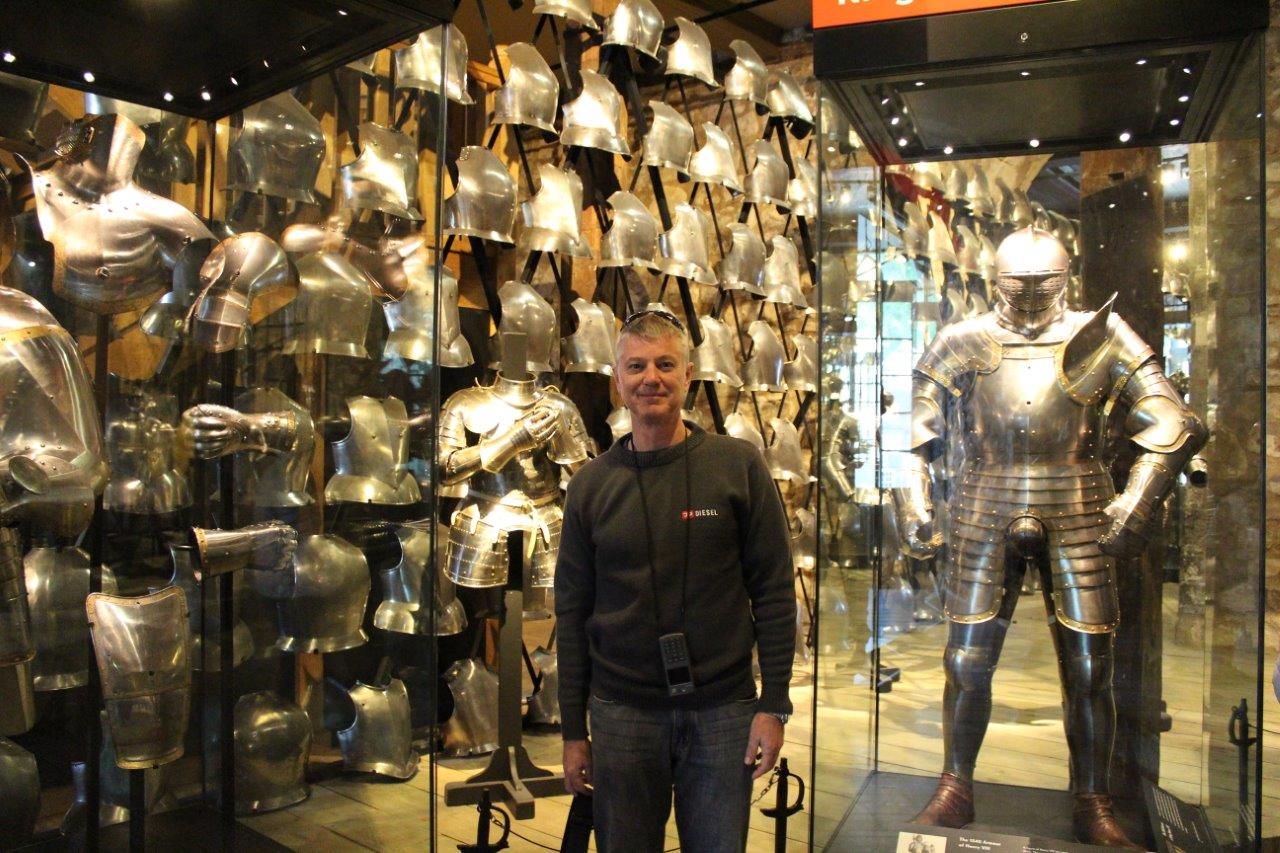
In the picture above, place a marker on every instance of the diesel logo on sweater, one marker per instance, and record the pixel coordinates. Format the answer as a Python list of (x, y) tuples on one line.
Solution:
[(687, 514)]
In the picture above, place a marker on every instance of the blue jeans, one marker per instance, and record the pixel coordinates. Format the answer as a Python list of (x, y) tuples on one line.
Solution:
[(639, 757)]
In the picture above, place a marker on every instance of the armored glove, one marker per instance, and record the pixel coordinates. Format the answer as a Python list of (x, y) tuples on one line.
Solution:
[(268, 546), (219, 430), (914, 511), (534, 429), (1130, 526)]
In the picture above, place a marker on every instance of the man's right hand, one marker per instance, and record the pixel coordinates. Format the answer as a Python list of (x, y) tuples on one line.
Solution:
[(577, 766)]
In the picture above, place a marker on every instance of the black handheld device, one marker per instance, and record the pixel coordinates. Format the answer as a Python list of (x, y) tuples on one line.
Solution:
[(675, 664)]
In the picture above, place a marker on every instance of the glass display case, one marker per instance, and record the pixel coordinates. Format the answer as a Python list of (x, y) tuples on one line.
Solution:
[(987, 221)]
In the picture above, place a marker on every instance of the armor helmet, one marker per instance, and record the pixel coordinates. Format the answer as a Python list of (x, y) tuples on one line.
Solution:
[(743, 267), (552, 218), (418, 65), (801, 373), (590, 349), (956, 183), (970, 248), (372, 459), (20, 790), (915, 236), (767, 182), (785, 98), (578, 11), (544, 705), (374, 729), (594, 118), (690, 54), (278, 150), (142, 647), (978, 193), (331, 312), (669, 142), (272, 745), (321, 602), (738, 426), (525, 311), (686, 248), (714, 162), (237, 269), (941, 246), (802, 190), (1042, 220), (473, 728), (483, 203), (57, 582), (166, 157), (532, 92), (715, 359), (385, 175), (635, 23), (632, 239), (782, 274), (748, 79), (784, 456), (21, 103), (763, 370), (1032, 267)]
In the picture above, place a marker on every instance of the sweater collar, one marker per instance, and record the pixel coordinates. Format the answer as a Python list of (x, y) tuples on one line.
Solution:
[(661, 456)]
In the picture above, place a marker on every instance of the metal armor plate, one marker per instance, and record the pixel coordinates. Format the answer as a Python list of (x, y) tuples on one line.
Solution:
[(781, 276), (690, 55), (669, 142), (20, 793), (635, 23), (330, 316), (483, 203), (477, 554), (400, 610), (276, 478), (385, 175), (743, 267), (531, 94), (748, 79), (371, 461), (544, 704), (324, 605), (578, 11), (685, 249), (767, 182), (738, 426), (272, 745), (714, 162), (278, 151), (552, 218), (473, 728), (716, 359), (379, 738), (142, 648), (763, 370), (785, 98), (801, 373), (590, 349), (632, 239), (57, 582), (418, 66), (238, 269), (142, 449), (784, 454), (525, 311), (594, 118)]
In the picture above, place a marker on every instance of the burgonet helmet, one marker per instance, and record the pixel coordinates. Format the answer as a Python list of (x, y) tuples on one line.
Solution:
[(690, 54), (635, 23), (552, 217), (748, 79), (632, 239), (385, 175), (714, 162)]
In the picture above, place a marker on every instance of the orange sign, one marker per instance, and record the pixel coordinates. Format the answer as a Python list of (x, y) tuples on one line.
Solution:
[(838, 13)]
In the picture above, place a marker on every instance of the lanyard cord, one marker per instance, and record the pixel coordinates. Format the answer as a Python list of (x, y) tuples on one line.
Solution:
[(648, 535)]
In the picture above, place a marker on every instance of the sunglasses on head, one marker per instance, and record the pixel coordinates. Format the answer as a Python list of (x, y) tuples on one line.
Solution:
[(654, 312)]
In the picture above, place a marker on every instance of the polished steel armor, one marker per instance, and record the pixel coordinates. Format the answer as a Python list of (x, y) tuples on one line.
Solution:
[(738, 426), (8, 232), (114, 244), (276, 470), (669, 142), (784, 455), (278, 150), (594, 118), (763, 370), (165, 158), (635, 23), (146, 476), (978, 193), (632, 238), (748, 79), (786, 99), (690, 54), (553, 217), (371, 461), (716, 358), (714, 162), (590, 349), (544, 704), (619, 422), (767, 181), (531, 94), (238, 269), (267, 546), (385, 175), (782, 274), (483, 203), (21, 105), (17, 648), (525, 311), (379, 738), (801, 373), (142, 648), (57, 581), (742, 268), (473, 727), (941, 246), (578, 11), (20, 793), (802, 190), (203, 609), (400, 610), (411, 330), (321, 601), (272, 745), (418, 66), (685, 249), (915, 234), (330, 315)]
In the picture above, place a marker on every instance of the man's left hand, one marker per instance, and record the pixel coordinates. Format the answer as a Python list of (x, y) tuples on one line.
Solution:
[(763, 744)]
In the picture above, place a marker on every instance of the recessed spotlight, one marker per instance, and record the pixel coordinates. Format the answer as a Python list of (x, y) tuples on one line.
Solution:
[(1142, 62), (1034, 143), (304, 48), (1174, 122), (9, 57), (919, 83), (88, 77), (1182, 99), (266, 64), (1126, 136), (894, 121), (1025, 73), (205, 96), (884, 102), (342, 12), (1111, 206), (1186, 69), (168, 97), (948, 150), (902, 142), (234, 81)]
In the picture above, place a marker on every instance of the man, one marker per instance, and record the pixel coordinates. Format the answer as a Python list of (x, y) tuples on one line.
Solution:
[(679, 534)]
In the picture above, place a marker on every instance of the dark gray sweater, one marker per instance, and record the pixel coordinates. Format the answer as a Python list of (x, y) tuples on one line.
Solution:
[(738, 593)]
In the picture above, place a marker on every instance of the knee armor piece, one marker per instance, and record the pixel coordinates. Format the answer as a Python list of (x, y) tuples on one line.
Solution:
[(782, 274), (483, 203), (690, 54), (785, 458), (632, 239), (669, 142), (21, 104), (552, 218), (635, 23), (802, 190), (714, 162), (594, 118), (763, 370), (57, 581), (767, 182), (278, 151), (715, 359), (686, 248), (20, 792), (578, 11), (801, 373), (743, 267), (738, 426), (385, 175), (272, 745), (532, 92), (321, 602), (544, 705), (143, 651), (418, 65), (374, 729), (372, 460), (525, 311), (748, 79), (473, 728), (785, 98), (330, 315), (590, 349), (238, 269)]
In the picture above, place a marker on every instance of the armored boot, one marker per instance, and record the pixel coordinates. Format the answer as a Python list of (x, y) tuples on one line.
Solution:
[(952, 804), (1094, 822)]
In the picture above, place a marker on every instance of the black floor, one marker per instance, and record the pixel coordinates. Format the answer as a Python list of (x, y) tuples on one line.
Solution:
[(192, 829), (888, 801)]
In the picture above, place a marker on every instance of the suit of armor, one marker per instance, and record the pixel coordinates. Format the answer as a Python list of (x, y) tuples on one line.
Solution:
[(1021, 399), (508, 480)]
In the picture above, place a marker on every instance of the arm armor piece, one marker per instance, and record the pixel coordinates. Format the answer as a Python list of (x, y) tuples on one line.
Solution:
[(960, 348), (913, 509), (839, 459), (928, 416)]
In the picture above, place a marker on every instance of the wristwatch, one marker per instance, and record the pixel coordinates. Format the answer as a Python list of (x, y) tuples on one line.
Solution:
[(782, 718)]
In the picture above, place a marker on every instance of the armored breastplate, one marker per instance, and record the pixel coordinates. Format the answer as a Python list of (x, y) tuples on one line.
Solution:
[(278, 151), (544, 705), (532, 473), (379, 740), (411, 323), (801, 373), (323, 604), (473, 728), (372, 459), (144, 476), (418, 66), (275, 478), (401, 608), (784, 455), (57, 583), (590, 349)]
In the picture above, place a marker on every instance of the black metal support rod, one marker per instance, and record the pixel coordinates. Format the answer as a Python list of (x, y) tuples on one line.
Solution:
[(226, 626), (137, 811), (89, 716)]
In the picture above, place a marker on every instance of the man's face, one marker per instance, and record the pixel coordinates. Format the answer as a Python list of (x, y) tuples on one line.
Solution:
[(653, 377)]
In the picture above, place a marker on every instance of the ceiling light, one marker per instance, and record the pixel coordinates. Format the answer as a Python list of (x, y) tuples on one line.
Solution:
[(168, 96), (902, 142), (1035, 143), (1026, 73), (234, 81), (1186, 69), (894, 121), (884, 102), (9, 57), (88, 77), (1182, 99), (342, 12), (919, 83), (205, 96), (1142, 62), (948, 150), (1174, 122), (266, 64), (1126, 136)]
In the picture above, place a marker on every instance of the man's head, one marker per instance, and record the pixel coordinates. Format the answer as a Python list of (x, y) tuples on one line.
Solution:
[(1031, 270), (652, 368)]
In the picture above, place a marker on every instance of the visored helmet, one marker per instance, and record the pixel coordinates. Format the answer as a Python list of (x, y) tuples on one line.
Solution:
[(483, 203), (743, 266), (552, 218), (669, 142), (1032, 269), (632, 239), (278, 150), (748, 79), (594, 118), (690, 54), (385, 175), (635, 23), (767, 183), (238, 269), (578, 11), (418, 65), (714, 162), (686, 248), (532, 92), (525, 311)]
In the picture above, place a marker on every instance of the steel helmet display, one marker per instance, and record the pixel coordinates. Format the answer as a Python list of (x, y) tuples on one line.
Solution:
[(690, 54), (531, 94), (669, 142), (715, 162), (419, 65), (632, 238), (594, 118), (748, 79), (635, 23), (385, 175)]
